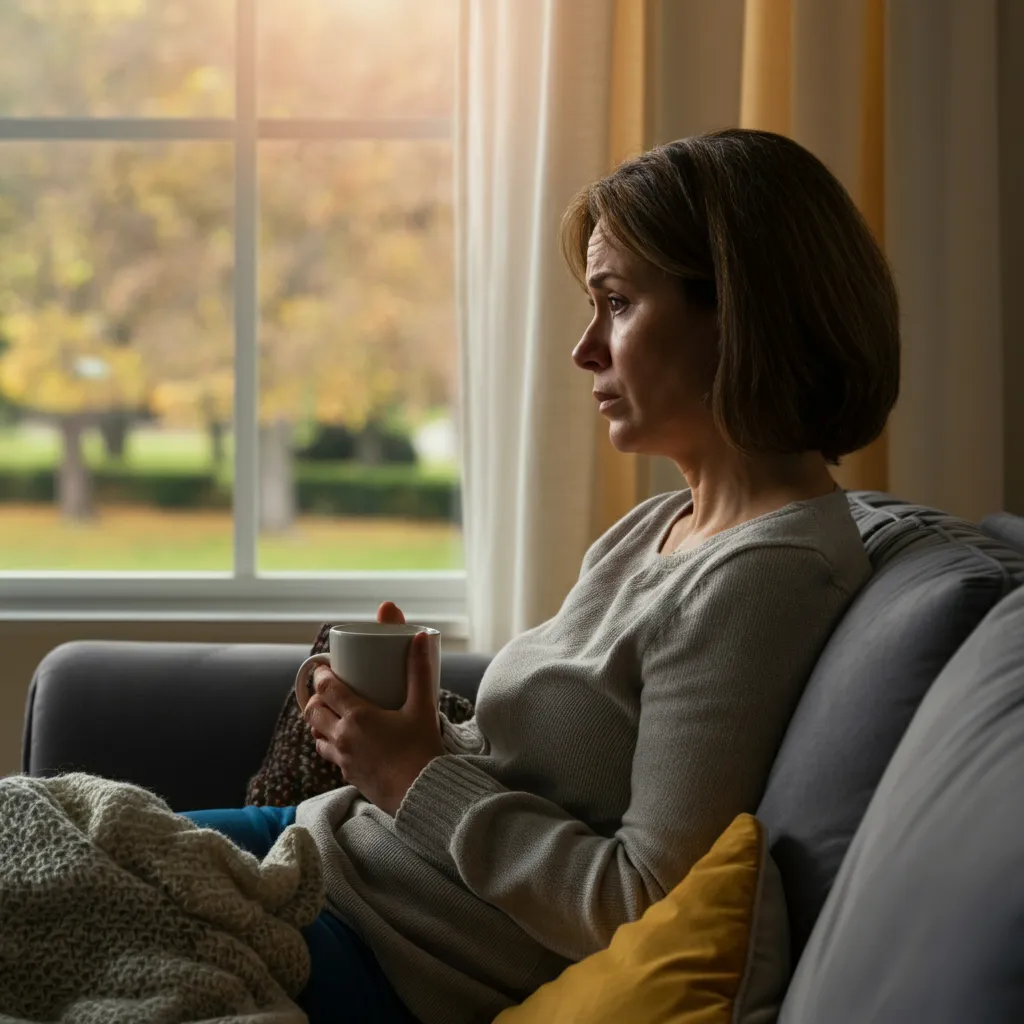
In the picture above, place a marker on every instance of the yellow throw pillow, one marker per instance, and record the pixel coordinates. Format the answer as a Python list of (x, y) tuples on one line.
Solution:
[(715, 949)]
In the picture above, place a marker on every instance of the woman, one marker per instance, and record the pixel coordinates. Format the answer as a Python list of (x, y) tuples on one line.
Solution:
[(745, 326)]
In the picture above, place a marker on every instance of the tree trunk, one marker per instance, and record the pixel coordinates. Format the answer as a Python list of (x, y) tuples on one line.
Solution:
[(277, 477), (369, 446), (114, 429), (217, 430), (74, 483)]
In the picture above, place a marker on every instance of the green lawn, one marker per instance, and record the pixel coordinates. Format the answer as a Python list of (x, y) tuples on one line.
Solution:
[(184, 451), (139, 538), (34, 537)]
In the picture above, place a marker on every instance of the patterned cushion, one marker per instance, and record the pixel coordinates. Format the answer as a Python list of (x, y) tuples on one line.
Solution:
[(714, 950), (292, 770)]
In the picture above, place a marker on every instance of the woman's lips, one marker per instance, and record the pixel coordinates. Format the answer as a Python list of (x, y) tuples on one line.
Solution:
[(606, 400)]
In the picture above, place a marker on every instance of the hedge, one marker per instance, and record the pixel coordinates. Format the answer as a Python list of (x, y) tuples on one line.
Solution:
[(352, 489), (349, 489)]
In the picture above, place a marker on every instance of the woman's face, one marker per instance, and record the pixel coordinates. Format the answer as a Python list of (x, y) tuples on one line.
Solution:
[(652, 353)]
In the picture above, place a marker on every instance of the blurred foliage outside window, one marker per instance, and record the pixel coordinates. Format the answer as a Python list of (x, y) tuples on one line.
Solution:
[(117, 260)]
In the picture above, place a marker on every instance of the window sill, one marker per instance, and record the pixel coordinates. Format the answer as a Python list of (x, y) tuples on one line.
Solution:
[(430, 599)]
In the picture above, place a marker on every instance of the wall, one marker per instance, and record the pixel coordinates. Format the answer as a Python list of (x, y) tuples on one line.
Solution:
[(24, 644), (1011, 174)]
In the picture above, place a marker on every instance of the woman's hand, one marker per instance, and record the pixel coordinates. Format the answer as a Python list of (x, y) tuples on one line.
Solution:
[(380, 752)]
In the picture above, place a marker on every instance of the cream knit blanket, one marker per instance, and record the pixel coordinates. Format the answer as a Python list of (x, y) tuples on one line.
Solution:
[(114, 910)]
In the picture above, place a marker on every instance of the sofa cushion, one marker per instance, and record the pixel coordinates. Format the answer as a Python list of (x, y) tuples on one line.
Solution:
[(926, 919), (935, 578)]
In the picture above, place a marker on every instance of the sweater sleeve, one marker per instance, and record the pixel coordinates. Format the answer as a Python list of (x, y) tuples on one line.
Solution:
[(721, 674)]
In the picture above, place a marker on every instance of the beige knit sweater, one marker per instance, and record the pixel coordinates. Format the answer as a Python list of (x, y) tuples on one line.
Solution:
[(611, 746), (114, 910)]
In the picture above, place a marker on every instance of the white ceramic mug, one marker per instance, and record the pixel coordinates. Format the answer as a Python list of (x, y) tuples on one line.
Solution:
[(373, 659)]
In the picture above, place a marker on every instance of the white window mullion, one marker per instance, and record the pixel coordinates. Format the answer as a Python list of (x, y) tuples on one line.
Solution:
[(246, 488)]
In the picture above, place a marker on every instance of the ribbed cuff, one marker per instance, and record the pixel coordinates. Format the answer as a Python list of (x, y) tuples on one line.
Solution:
[(463, 738), (443, 793)]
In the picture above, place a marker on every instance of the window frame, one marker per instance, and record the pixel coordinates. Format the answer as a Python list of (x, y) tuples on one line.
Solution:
[(433, 598)]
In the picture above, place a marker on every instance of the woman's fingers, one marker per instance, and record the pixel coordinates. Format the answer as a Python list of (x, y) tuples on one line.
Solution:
[(419, 678), (390, 612)]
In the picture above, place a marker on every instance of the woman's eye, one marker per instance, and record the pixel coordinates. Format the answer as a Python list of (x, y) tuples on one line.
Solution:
[(615, 304)]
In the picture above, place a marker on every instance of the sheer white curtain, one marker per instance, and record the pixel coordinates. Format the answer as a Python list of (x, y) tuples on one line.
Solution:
[(532, 129)]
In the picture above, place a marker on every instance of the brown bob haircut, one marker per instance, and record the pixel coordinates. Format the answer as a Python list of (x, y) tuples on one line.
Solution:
[(757, 228)]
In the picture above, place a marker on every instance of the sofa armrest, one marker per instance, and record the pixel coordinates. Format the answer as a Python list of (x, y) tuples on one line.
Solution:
[(191, 722)]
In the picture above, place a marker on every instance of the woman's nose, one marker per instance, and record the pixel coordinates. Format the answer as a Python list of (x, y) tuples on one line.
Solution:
[(591, 352)]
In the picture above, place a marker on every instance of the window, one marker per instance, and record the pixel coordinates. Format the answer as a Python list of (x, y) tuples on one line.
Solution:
[(227, 330)]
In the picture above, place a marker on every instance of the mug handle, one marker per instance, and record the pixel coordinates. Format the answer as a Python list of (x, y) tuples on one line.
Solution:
[(303, 690)]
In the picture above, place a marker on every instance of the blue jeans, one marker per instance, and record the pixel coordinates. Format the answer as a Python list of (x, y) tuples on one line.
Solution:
[(346, 984)]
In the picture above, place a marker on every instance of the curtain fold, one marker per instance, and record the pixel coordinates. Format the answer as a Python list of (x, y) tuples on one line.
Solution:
[(533, 128)]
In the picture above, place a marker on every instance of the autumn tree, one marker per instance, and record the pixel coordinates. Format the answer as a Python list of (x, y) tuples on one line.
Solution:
[(126, 249), (99, 241)]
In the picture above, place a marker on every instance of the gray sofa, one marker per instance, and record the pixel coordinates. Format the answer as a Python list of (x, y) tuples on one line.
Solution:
[(895, 805)]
